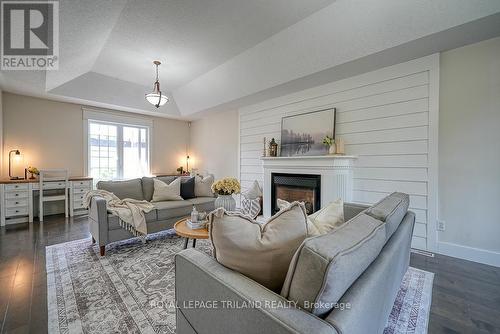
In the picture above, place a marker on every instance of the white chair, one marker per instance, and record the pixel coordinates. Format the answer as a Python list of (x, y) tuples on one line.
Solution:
[(53, 179)]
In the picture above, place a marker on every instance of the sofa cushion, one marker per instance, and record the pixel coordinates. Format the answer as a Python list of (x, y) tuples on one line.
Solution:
[(123, 189), (253, 192), (324, 220), (187, 187), (203, 203), (167, 192), (148, 185), (324, 267), (148, 188), (390, 210), (203, 186), (113, 221), (261, 252), (172, 209)]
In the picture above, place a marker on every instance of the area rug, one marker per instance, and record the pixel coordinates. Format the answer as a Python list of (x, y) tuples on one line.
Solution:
[(120, 292)]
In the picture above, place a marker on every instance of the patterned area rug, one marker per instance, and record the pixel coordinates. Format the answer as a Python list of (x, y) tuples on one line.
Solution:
[(119, 293)]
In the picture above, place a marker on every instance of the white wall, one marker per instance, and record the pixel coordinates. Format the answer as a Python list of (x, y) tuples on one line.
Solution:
[(469, 138), (214, 144), (469, 157), (388, 118)]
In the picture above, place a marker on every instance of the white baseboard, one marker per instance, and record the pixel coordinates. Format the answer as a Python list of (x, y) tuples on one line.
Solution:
[(469, 253)]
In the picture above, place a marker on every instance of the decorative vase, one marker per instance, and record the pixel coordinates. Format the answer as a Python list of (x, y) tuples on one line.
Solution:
[(225, 201), (332, 149)]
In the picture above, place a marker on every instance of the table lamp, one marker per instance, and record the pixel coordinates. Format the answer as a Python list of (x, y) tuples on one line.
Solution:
[(15, 158)]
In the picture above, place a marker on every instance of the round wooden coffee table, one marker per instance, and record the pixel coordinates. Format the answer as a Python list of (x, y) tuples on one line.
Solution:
[(183, 230)]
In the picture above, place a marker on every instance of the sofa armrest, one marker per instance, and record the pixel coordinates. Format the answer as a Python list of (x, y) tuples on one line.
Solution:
[(229, 302), (98, 220)]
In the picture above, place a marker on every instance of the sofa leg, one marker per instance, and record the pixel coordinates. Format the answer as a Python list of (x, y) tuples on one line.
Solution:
[(93, 240), (102, 250)]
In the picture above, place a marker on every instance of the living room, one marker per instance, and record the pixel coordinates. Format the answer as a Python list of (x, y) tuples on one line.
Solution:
[(250, 167)]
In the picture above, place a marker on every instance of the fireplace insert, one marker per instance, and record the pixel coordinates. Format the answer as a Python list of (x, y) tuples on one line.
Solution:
[(296, 187)]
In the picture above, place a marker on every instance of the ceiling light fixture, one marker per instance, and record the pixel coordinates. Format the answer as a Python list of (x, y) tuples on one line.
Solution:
[(156, 98)]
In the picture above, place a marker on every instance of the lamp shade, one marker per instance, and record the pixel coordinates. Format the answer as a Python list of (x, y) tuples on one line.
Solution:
[(16, 164), (156, 99)]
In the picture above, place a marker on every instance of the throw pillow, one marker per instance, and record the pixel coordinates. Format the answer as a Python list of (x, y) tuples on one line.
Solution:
[(250, 207), (262, 252), (203, 186), (254, 191), (167, 192), (187, 187), (324, 220)]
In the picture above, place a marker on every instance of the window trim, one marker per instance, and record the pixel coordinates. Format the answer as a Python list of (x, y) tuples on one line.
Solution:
[(91, 115)]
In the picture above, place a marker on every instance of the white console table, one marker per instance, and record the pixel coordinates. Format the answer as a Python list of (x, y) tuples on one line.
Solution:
[(16, 198), (335, 170)]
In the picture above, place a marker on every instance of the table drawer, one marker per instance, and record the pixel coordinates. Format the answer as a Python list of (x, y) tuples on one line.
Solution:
[(82, 191), (54, 185), (16, 194), (20, 211), (78, 205), (77, 197), (16, 187), (13, 203), (50, 185), (81, 184)]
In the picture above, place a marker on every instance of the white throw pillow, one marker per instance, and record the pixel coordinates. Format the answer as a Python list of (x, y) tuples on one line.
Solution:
[(324, 220), (262, 252), (203, 186), (254, 191), (167, 192)]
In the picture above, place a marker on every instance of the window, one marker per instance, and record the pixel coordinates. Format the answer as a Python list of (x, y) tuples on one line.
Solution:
[(117, 151)]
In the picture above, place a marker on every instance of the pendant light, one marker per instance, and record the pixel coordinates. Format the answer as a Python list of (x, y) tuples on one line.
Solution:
[(156, 98)]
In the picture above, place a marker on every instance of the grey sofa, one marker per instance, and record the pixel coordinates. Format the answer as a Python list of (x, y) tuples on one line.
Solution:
[(359, 267), (105, 227)]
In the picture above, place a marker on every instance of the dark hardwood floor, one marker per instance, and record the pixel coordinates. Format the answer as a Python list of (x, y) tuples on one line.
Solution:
[(466, 295)]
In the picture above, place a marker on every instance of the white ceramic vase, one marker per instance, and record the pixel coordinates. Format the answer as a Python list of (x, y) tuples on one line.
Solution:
[(225, 201), (332, 149)]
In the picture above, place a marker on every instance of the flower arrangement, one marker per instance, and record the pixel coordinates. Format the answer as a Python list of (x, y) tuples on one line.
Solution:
[(328, 141), (33, 171), (226, 186)]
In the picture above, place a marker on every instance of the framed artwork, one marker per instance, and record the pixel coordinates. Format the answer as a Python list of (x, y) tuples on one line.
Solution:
[(303, 134)]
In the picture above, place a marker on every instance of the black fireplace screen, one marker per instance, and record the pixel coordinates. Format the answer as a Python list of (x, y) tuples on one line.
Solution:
[(296, 187)]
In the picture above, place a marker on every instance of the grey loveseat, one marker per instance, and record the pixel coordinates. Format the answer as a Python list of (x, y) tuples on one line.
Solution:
[(358, 267), (105, 227)]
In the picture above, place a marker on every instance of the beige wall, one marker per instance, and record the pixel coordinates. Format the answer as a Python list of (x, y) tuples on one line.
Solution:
[(214, 144), (469, 151), (1, 134), (50, 135), (169, 145)]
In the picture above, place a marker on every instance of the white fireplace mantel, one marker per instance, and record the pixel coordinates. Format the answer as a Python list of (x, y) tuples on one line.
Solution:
[(335, 171)]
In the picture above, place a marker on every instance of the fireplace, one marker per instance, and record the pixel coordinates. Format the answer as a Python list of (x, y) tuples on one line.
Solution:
[(296, 187)]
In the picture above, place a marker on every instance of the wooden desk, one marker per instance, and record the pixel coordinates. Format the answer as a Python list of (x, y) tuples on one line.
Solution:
[(16, 197)]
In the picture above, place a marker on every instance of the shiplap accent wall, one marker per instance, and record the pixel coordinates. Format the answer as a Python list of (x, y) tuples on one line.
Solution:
[(388, 118)]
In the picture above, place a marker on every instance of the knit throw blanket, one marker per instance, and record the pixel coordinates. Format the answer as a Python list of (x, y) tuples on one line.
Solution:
[(129, 211)]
